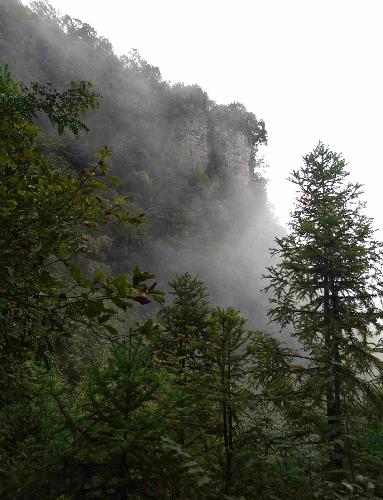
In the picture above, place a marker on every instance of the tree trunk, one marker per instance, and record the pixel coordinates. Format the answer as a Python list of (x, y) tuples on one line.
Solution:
[(333, 386), (337, 411), (229, 452)]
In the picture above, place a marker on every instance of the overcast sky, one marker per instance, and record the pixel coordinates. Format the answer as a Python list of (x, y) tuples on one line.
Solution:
[(312, 69)]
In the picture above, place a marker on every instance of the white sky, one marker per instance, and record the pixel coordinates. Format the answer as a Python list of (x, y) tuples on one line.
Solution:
[(312, 69)]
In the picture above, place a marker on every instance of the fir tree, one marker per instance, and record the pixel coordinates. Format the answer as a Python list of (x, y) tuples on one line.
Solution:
[(229, 374), (180, 345), (327, 285)]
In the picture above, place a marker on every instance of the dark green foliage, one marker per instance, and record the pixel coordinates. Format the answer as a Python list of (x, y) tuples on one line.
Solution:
[(180, 345), (125, 414), (229, 373), (97, 402), (62, 108), (185, 321), (222, 370), (46, 216), (45, 296), (104, 440), (328, 285)]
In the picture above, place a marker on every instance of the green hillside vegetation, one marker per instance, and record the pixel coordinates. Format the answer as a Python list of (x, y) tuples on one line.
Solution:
[(187, 162), (112, 388)]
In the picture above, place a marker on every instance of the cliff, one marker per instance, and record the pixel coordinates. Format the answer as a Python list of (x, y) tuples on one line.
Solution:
[(187, 162)]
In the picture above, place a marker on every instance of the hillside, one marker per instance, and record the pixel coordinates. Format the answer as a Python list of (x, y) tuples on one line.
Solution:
[(191, 165), (120, 383)]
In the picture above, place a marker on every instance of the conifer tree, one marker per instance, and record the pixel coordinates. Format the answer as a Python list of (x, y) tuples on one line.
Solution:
[(230, 365), (185, 321), (180, 345), (327, 285), (120, 429)]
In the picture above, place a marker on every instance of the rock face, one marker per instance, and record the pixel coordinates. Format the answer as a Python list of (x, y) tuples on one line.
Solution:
[(236, 152), (234, 149), (196, 141), (207, 140)]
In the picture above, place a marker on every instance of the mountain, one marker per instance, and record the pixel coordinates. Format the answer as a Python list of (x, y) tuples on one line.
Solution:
[(191, 165)]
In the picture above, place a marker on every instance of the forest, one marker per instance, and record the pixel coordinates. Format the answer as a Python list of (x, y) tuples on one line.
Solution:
[(161, 335)]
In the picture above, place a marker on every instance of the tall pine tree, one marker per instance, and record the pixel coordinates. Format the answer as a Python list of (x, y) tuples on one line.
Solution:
[(327, 285)]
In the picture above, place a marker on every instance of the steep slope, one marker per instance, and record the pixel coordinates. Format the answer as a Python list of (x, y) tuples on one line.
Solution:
[(191, 165)]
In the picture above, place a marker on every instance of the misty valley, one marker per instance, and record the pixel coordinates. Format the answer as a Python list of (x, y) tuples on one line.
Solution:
[(162, 335)]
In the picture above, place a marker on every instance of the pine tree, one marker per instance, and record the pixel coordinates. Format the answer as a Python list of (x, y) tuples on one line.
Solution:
[(228, 378), (246, 368), (121, 424), (185, 321), (180, 345), (327, 285)]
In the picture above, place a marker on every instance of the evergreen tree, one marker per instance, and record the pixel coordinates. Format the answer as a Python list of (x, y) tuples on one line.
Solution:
[(120, 427), (185, 321), (229, 374), (248, 368), (105, 438), (180, 345), (327, 285)]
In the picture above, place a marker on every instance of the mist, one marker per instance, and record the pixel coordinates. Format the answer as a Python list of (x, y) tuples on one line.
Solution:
[(192, 165)]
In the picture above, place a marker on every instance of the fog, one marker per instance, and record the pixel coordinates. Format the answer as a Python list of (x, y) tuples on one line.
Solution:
[(192, 165), (309, 69)]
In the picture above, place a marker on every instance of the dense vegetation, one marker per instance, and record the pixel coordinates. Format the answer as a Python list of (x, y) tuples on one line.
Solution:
[(187, 162), (100, 400)]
